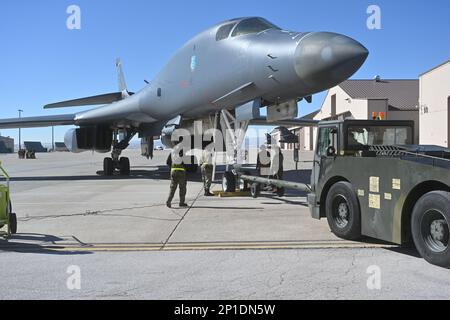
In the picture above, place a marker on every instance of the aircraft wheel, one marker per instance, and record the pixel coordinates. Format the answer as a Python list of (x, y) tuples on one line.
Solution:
[(108, 167), (343, 211), (124, 166), (255, 190), (430, 227), (229, 182)]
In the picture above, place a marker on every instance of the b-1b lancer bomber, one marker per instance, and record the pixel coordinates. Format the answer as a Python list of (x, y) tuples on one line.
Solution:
[(227, 73)]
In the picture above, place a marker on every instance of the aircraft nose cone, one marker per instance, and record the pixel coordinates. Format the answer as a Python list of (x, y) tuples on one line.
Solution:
[(324, 59)]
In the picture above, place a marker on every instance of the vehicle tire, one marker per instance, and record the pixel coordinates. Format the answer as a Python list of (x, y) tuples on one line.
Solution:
[(243, 184), (12, 219), (343, 211), (430, 227), (255, 190), (124, 166), (108, 167), (229, 182), (281, 192)]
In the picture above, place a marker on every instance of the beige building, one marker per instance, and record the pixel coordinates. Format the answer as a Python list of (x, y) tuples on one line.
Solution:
[(359, 99), (425, 101), (435, 106)]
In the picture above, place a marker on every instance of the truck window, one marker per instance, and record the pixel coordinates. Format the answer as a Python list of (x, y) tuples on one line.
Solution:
[(328, 137), (359, 137)]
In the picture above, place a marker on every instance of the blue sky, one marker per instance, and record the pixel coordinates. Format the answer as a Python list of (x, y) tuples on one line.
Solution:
[(42, 61)]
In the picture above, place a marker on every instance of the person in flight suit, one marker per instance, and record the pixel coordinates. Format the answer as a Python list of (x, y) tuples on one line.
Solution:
[(207, 171), (177, 179)]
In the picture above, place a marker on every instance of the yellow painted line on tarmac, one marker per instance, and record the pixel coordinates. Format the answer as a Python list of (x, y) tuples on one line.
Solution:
[(221, 194), (197, 246)]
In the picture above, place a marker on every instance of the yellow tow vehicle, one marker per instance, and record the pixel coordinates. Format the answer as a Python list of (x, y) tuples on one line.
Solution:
[(8, 219)]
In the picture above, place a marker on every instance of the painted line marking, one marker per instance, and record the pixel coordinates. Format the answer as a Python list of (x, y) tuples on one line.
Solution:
[(197, 246)]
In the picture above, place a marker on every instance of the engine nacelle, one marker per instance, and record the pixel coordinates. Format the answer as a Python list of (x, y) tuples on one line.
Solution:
[(84, 139)]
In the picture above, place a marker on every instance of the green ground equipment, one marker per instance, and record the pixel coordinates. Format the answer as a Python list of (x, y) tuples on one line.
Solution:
[(8, 219)]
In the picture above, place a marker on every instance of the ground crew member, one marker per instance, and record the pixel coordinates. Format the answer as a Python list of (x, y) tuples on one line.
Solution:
[(279, 165), (177, 179), (263, 162), (207, 171)]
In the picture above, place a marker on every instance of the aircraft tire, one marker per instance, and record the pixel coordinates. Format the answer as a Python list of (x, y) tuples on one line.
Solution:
[(124, 166), (108, 167)]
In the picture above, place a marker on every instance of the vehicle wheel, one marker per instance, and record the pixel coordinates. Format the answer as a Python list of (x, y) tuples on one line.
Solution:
[(430, 227), (229, 182), (12, 219), (255, 190), (343, 211), (124, 166), (13, 223), (243, 185), (108, 167), (281, 192)]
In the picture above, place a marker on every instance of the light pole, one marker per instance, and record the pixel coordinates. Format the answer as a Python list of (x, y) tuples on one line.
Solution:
[(53, 139), (20, 138)]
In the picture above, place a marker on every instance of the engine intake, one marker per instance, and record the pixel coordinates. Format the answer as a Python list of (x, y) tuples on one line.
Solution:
[(84, 139)]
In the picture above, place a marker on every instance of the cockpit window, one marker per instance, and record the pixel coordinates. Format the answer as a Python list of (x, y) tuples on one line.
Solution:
[(224, 31), (252, 25)]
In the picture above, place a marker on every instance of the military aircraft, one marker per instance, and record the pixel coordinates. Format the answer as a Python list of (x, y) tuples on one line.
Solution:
[(229, 72)]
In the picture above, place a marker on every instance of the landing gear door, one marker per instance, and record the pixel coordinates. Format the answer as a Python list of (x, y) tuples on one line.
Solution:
[(327, 147)]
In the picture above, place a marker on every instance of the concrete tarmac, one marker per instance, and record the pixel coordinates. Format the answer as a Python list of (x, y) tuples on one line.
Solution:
[(128, 244)]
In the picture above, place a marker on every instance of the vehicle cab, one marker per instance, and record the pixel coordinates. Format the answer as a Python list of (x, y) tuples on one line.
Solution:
[(351, 138)]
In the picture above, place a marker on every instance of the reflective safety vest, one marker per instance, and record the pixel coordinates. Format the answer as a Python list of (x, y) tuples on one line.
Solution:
[(178, 167)]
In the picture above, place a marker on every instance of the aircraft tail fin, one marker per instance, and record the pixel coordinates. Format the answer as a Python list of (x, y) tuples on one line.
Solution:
[(121, 79)]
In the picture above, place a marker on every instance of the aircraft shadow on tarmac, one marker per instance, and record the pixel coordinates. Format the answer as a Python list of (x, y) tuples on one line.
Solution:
[(162, 173), (34, 247)]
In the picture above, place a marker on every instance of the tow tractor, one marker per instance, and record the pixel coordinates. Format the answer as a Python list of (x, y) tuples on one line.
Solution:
[(369, 179), (8, 219)]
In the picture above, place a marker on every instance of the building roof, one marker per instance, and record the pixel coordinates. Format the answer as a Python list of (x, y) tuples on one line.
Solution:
[(437, 67), (401, 94), (311, 115)]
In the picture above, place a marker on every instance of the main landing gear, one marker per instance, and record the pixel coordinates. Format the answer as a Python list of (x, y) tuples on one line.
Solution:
[(115, 162), (235, 131)]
